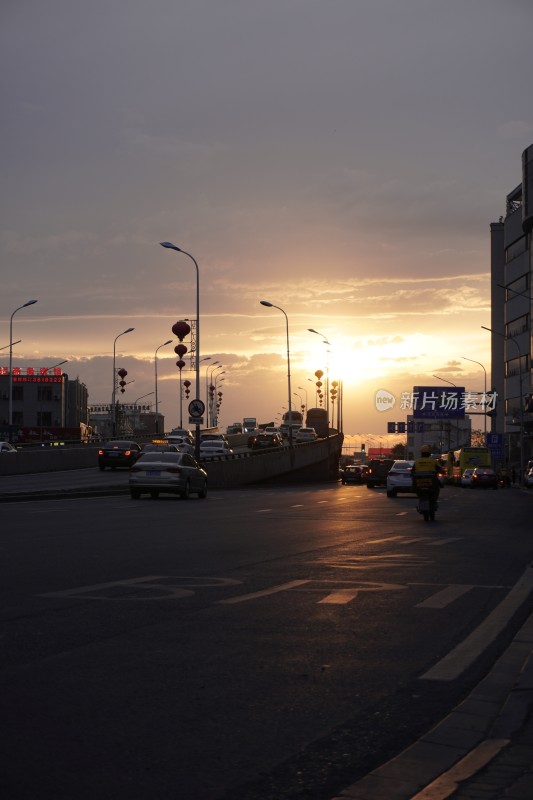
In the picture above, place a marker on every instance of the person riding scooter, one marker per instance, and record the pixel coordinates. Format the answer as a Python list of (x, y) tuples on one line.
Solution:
[(426, 466)]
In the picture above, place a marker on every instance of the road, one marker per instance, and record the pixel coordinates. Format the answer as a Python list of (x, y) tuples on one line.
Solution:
[(266, 643)]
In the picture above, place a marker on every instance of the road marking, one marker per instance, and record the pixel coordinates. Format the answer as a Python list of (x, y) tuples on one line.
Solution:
[(298, 505), (340, 597), (402, 513), (385, 539), (262, 510), (380, 561), (462, 656), (243, 598), (167, 587), (440, 542), (321, 502), (445, 596)]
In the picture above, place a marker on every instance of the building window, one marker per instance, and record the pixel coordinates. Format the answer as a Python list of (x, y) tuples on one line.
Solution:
[(44, 394), (516, 366), (44, 418), (519, 286), (516, 249), (18, 394), (517, 326)]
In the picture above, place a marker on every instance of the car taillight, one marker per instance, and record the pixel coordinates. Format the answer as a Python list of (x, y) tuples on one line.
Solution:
[(127, 452), (100, 452), (174, 470)]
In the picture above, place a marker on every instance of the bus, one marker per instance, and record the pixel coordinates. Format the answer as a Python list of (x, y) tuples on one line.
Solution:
[(317, 418), (466, 458)]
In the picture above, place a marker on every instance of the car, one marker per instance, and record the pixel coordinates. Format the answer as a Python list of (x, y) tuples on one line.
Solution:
[(118, 453), (266, 441), (484, 477), (466, 477), (184, 433), (183, 443), (213, 437), (528, 480), (353, 473), (378, 469), (167, 473), (400, 478), (273, 429), (215, 448), (306, 435), (6, 447)]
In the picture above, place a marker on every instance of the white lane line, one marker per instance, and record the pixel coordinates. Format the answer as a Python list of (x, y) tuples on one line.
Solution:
[(401, 513), (243, 598), (415, 539), (321, 502), (385, 539), (298, 505), (262, 510), (445, 596), (462, 656), (440, 542), (340, 597)]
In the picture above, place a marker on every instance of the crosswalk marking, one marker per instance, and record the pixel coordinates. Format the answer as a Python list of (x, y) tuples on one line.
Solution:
[(282, 587), (445, 596), (340, 597)]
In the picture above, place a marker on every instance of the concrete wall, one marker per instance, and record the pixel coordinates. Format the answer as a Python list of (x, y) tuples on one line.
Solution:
[(307, 461)]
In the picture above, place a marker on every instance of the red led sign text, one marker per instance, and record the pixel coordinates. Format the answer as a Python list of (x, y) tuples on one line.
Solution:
[(32, 371)]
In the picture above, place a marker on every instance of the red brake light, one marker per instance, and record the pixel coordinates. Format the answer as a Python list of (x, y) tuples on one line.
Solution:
[(100, 452), (127, 452)]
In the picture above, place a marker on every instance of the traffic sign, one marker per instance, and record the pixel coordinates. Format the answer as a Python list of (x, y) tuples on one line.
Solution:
[(196, 408)]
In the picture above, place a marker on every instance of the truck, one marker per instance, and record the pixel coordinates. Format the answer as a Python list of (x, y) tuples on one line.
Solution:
[(317, 418), (291, 420), (249, 424)]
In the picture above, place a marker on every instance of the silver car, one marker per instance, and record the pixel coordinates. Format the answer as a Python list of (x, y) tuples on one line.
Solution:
[(400, 478), (169, 473)]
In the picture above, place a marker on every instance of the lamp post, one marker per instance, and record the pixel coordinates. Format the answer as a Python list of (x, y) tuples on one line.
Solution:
[(210, 401), (140, 398), (521, 418), (10, 417), (271, 305), (304, 390), (484, 392), (302, 407), (113, 412), (171, 246), (325, 340), (169, 341)]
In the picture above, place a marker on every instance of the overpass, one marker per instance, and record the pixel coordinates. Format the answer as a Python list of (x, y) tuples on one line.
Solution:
[(304, 462)]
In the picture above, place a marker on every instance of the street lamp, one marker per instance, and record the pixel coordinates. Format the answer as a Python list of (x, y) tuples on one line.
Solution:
[(513, 340), (327, 342), (171, 246), (140, 398), (10, 418), (444, 379), (210, 392), (58, 365), (169, 341), (6, 345), (271, 305), (113, 418), (484, 391)]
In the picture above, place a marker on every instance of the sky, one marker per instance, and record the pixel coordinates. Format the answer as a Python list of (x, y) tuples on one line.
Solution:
[(342, 160)]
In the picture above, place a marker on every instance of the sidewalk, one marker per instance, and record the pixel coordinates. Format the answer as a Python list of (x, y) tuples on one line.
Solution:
[(483, 750)]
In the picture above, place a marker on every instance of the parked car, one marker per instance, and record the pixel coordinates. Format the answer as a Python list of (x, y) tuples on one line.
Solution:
[(306, 435), (400, 478), (215, 448), (378, 469), (168, 473), (6, 447), (528, 480), (353, 473), (466, 477), (485, 477), (118, 453), (267, 441)]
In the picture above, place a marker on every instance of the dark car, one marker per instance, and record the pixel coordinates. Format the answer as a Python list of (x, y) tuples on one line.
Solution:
[(266, 441), (353, 473), (378, 469), (484, 477), (118, 453)]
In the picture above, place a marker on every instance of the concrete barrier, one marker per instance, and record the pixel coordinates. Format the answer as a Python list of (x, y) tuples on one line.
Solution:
[(48, 459)]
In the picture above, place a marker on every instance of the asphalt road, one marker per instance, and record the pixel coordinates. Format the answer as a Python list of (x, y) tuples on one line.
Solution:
[(265, 643)]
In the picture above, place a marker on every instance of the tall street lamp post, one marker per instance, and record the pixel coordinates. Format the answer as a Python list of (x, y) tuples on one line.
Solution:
[(169, 341), (210, 402), (521, 417), (171, 246), (484, 393), (326, 342), (113, 396), (271, 305), (10, 417), (304, 390)]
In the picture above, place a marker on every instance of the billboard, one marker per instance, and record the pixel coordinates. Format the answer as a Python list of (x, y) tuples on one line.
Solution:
[(434, 402)]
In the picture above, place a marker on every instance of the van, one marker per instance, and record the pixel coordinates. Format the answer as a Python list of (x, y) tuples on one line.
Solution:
[(378, 469)]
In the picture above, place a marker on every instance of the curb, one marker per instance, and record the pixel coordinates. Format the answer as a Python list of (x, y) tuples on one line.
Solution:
[(465, 741)]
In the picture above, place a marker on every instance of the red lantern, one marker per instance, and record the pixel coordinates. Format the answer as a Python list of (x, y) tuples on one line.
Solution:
[(180, 364), (181, 329), (180, 349), (122, 373)]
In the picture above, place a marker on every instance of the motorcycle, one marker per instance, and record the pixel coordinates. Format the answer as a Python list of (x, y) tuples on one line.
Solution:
[(427, 493)]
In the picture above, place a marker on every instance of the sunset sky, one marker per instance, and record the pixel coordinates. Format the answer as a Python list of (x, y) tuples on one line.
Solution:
[(342, 160)]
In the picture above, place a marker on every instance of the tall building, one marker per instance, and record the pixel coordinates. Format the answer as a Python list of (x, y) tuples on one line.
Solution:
[(511, 337)]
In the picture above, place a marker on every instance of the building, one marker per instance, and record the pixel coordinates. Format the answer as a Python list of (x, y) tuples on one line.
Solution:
[(511, 334), (133, 420), (45, 405)]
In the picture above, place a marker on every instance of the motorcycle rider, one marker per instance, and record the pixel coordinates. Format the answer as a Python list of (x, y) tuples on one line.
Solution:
[(426, 465)]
